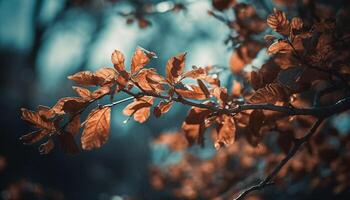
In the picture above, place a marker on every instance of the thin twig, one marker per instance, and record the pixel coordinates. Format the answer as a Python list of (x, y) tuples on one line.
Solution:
[(268, 180)]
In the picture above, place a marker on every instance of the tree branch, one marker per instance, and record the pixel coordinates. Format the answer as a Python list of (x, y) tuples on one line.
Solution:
[(268, 180)]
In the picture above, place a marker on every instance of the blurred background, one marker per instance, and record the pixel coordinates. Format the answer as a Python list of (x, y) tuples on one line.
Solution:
[(44, 41)]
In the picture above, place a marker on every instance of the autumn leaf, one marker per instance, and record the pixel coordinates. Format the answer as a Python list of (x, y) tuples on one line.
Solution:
[(225, 131), (269, 94), (46, 147), (279, 22), (244, 55), (102, 91), (297, 23), (73, 104), (280, 46), (86, 78), (34, 119), (107, 74), (74, 125), (35, 136), (175, 67), (163, 107), (139, 109), (194, 92), (96, 128), (204, 88), (68, 144), (139, 60), (83, 92), (194, 125), (45, 112), (197, 73), (221, 95), (118, 60)]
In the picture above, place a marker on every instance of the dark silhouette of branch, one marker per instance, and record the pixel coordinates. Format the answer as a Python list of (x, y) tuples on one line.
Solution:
[(268, 180)]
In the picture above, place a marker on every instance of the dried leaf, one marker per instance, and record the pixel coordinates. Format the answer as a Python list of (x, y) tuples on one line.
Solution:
[(83, 92), (140, 109), (74, 125), (163, 107), (226, 131), (118, 60), (280, 46), (204, 88), (73, 104), (46, 147), (45, 112), (199, 73), (244, 55), (269, 94), (35, 136), (175, 67), (139, 60), (86, 78), (194, 125), (297, 23), (279, 22), (35, 120), (107, 74), (221, 95), (68, 144), (194, 92), (96, 130), (102, 91)]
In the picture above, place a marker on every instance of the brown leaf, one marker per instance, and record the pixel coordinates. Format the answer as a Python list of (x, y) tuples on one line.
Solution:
[(83, 92), (194, 92), (74, 125), (269, 94), (102, 91), (204, 88), (68, 144), (139, 60), (46, 147), (221, 95), (256, 121), (280, 46), (35, 120), (35, 136), (86, 78), (45, 112), (118, 60), (73, 104), (107, 74), (279, 22), (163, 107), (226, 131), (236, 89), (175, 67), (297, 23), (149, 80), (96, 129), (244, 55), (194, 125), (198, 73), (140, 109)]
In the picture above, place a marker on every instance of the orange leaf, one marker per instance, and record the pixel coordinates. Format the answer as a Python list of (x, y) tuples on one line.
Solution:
[(195, 93), (221, 95), (198, 73), (83, 92), (280, 46), (140, 109), (107, 74), (279, 22), (204, 88), (86, 78), (96, 130), (226, 132), (101, 92), (163, 107), (139, 60), (73, 104), (34, 119), (118, 60), (74, 125), (45, 112), (175, 67)]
